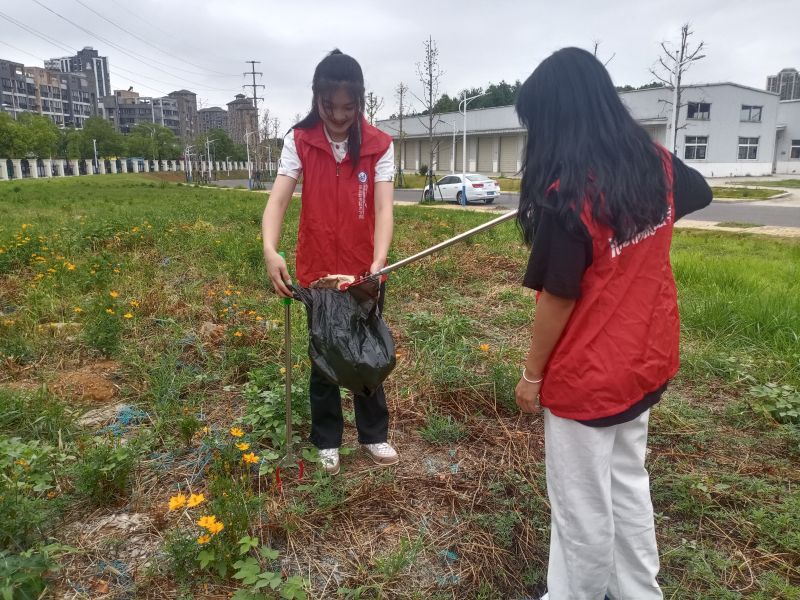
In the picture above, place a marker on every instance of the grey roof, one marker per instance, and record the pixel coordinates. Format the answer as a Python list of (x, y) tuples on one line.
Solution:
[(498, 119)]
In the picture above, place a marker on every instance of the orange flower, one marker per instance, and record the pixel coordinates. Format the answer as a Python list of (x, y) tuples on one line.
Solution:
[(203, 539), (484, 347), (250, 458), (177, 502), (243, 446), (236, 432), (195, 500), (113, 294), (78, 309), (211, 524), (238, 334)]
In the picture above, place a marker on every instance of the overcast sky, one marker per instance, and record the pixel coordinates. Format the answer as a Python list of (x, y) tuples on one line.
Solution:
[(202, 45)]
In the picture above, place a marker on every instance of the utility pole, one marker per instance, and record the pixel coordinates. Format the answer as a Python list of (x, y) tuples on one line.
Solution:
[(96, 166), (252, 72)]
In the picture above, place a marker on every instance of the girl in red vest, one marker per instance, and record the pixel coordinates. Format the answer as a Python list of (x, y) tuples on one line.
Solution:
[(598, 203), (346, 228)]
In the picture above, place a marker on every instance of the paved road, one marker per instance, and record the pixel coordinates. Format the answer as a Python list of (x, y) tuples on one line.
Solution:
[(784, 212)]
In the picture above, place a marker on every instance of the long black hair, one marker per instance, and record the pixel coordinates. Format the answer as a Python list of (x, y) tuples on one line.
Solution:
[(581, 135), (334, 71)]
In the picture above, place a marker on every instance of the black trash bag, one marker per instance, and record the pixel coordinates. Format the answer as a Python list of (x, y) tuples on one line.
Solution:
[(349, 342)]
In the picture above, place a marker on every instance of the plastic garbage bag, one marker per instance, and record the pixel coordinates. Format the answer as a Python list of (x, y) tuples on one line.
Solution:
[(349, 342)]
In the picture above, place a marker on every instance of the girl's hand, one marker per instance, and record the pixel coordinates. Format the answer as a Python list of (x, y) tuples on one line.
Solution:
[(278, 274), (376, 266), (527, 395)]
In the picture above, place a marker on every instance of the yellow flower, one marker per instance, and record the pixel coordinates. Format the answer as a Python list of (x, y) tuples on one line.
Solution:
[(134, 303), (113, 294), (484, 347), (195, 500), (238, 334), (135, 230), (128, 315), (211, 524), (77, 309), (70, 267), (203, 539), (283, 370), (259, 318), (250, 458), (228, 292), (216, 527), (110, 311), (243, 446), (177, 502), (206, 430), (236, 432)]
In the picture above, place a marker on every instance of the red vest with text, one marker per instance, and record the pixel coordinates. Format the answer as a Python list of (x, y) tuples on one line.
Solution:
[(621, 341), (337, 217)]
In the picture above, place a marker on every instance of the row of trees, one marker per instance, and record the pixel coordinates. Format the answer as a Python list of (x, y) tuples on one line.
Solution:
[(36, 136)]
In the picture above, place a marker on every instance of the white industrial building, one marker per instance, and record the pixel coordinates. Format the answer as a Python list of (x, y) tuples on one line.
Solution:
[(724, 130)]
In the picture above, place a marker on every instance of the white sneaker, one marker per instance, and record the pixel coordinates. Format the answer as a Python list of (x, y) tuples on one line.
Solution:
[(330, 460), (382, 453)]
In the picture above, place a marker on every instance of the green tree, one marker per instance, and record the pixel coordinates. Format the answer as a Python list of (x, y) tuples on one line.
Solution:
[(38, 135), (10, 139), (109, 141), (223, 146), (70, 143), (153, 141)]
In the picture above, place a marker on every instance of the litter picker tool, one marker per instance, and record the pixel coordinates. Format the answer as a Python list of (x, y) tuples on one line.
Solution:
[(290, 460)]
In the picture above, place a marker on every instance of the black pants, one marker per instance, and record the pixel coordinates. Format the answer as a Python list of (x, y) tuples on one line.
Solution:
[(327, 422)]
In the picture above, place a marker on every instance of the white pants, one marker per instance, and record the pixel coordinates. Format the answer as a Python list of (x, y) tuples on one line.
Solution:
[(602, 538)]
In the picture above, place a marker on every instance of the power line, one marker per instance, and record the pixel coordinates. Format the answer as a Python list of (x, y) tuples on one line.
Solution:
[(32, 31), (120, 48), (152, 45)]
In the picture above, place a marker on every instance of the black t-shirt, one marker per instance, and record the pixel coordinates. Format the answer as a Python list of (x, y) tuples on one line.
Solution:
[(559, 259)]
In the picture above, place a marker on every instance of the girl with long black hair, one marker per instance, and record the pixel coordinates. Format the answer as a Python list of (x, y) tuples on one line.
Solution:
[(598, 204), (346, 226)]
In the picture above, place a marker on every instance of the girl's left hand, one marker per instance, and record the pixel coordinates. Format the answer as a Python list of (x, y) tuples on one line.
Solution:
[(376, 266), (527, 395)]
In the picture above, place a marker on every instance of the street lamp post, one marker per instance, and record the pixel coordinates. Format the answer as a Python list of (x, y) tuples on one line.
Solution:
[(188, 163), (96, 166), (228, 165), (247, 135), (208, 156), (465, 102)]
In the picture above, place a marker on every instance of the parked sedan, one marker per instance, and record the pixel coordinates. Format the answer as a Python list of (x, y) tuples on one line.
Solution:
[(479, 188)]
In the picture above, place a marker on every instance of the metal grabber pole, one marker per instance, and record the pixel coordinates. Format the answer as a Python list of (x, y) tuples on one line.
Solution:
[(289, 459)]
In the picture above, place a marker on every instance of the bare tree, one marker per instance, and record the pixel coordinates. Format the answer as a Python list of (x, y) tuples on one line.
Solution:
[(372, 105), (401, 93), (670, 68), (429, 76), (596, 47)]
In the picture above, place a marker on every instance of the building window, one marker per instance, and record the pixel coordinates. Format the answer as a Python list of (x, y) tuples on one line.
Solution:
[(748, 148), (698, 110), (795, 152), (750, 114), (695, 147)]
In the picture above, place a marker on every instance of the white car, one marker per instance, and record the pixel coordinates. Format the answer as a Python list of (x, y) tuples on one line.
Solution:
[(479, 188)]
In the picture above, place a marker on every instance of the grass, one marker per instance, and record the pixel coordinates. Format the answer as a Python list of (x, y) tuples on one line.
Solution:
[(464, 515), (737, 224), (784, 183), (736, 192)]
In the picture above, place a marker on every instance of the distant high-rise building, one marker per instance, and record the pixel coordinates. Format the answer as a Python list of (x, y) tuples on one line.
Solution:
[(187, 114), (86, 61), (786, 83), (242, 118), (212, 118), (126, 109), (68, 99)]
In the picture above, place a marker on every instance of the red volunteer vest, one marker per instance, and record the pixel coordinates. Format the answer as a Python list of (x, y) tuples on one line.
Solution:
[(337, 217), (621, 341)]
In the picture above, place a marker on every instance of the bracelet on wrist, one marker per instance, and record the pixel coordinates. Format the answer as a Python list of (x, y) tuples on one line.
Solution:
[(525, 377)]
